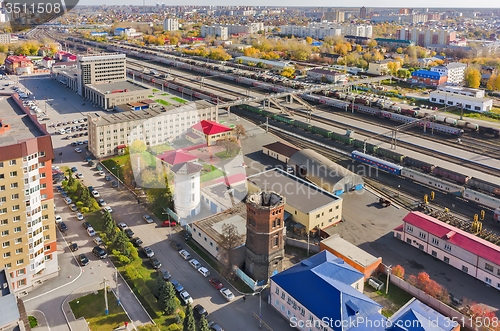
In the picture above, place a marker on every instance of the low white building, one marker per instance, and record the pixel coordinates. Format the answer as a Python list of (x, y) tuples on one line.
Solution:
[(471, 92), (328, 75), (455, 72), (469, 103)]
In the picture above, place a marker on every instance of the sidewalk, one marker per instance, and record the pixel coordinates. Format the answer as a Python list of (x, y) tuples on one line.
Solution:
[(42, 321)]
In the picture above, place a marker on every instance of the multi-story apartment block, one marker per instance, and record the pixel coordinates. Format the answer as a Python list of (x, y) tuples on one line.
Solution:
[(335, 16), (170, 24), (215, 30), (4, 38), (110, 133), (249, 28), (27, 226), (473, 255), (104, 67), (455, 72), (363, 12), (323, 29), (426, 37)]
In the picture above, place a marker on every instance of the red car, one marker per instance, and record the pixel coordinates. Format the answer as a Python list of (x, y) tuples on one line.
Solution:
[(216, 283), (169, 223)]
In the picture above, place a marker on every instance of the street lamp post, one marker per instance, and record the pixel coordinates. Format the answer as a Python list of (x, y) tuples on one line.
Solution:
[(118, 167), (260, 303)]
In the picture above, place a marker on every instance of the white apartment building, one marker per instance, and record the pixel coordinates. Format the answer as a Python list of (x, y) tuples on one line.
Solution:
[(469, 103), (215, 30), (170, 24), (250, 28), (462, 250), (5, 38), (322, 29), (455, 72), (154, 126)]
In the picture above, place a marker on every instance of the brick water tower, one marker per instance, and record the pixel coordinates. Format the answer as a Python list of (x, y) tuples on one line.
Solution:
[(264, 248)]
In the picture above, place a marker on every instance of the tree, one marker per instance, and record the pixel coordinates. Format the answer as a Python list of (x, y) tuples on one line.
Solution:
[(372, 43), (497, 83), (121, 241), (398, 271), (167, 298), (473, 77), (138, 146), (490, 85), (204, 324), (3, 56), (239, 130), (230, 239), (359, 48), (159, 286), (309, 40), (189, 323), (71, 179)]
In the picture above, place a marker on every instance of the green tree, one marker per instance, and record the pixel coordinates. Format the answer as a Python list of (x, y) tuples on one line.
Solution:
[(159, 286), (167, 300), (189, 323), (204, 324), (109, 226), (121, 240), (138, 146), (71, 180)]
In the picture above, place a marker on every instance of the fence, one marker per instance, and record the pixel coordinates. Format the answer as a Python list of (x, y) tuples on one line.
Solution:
[(301, 244), (245, 278), (434, 303)]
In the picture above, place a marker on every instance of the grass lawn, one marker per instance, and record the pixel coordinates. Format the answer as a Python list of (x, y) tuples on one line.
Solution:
[(155, 90), (237, 283), (92, 308), (146, 159), (162, 148), (179, 100), (474, 115), (214, 173), (150, 96), (232, 153), (164, 94), (395, 294), (33, 321), (163, 102)]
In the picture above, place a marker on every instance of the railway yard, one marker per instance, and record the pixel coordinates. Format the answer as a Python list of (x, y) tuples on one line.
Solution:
[(412, 153)]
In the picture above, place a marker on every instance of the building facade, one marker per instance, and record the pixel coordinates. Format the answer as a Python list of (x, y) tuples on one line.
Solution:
[(471, 92), (379, 68), (426, 37), (5, 38), (215, 30), (154, 126), (326, 75), (394, 42), (469, 103), (27, 226), (455, 72), (212, 132), (187, 189), (363, 12), (104, 67), (427, 77), (170, 24), (335, 16), (249, 28), (462, 250), (264, 247), (18, 65)]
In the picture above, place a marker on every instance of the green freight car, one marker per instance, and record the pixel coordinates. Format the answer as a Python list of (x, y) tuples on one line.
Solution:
[(268, 114), (284, 119), (359, 144), (251, 109), (341, 138), (391, 154), (320, 131), (302, 125)]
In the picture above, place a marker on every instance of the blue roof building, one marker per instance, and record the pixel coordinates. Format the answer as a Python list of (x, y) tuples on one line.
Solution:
[(427, 77), (323, 291)]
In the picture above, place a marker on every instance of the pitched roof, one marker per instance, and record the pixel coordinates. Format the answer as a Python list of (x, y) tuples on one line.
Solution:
[(427, 73), (329, 278), (465, 240), (176, 157), (187, 168), (416, 316), (282, 148), (210, 127)]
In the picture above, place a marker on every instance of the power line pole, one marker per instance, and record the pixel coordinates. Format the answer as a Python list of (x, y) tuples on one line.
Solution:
[(105, 296)]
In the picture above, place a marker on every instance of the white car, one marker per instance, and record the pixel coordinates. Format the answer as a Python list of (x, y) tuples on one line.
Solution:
[(108, 209), (78, 150), (101, 173), (79, 175), (58, 218), (195, 264), (226, 293), (204, 271), (122, 226), (148, 219), (67, 200), (90, 231), (185, 254), (186, 297), (79, 216), (98, 241), (95, 194)]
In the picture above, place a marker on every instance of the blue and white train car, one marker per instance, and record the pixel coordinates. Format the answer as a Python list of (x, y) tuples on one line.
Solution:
[(376, 162), (434, 182), (481, 198)]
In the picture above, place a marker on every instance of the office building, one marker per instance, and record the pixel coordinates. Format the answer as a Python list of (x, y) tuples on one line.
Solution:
[(216, 31), (170, 24), (103, 67), (27, 221), (156, 125), (455, 72)]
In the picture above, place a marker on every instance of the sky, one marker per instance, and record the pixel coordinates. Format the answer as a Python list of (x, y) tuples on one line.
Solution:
[(313, 3)]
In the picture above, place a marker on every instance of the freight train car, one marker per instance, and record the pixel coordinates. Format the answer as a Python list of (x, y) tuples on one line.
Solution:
[(483, 185), (481, 198), (411, 162), (432, 181), (458, 177), (376, 162), (390, 154)]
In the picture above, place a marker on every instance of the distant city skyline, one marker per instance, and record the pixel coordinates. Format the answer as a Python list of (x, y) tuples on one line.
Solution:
[(296, 3)]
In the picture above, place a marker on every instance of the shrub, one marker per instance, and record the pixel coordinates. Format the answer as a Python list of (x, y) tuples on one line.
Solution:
[(123, 259), (173, 327), (79, 204), (182, 314), (64, 184), (85, 209), (73, 198)]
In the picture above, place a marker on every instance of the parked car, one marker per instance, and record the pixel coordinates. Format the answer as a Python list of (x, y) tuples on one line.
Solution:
[(98, 241), (177, 286), (79, 216), (164, 274), (155, 263), (101, 202), (58, 218), (95, 194), (68, 201), (83, 260), (148, 251), (122, 226), (216, 283), (74, 169), (62, 227), (86, 225), (99, 252), (226, 293), (186, 235), (73, 247), (199, 311), (90, 231), (108, 209), (129, 232), (108, 178), (195, 264), (204, 271), (175, 245), (114, 184), (101, 173), (79, 175), (214, 326), (186, 298), (169, 223), (78, 150), (73, 207), (185, 254), (137, 242), (148, 219)]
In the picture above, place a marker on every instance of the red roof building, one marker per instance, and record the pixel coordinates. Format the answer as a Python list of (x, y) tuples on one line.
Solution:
[(212, 131), (462, 250), (18, 65), (171, 158)]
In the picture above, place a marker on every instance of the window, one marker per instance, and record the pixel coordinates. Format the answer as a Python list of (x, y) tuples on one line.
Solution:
[(488, 267), (488, 280), (2, 176), (435, 241), (21, 282), (15, 208), (422, 235), (277, 290), (5, 233), (465, 269), (13, 185), (8, 265), (277, 303), (6, 244), (446, 259), (18, 240), (283, 295), (16, 218), (434, 253), (6, 255), (4, 222), (408, 241), (447, 247), (42, 164), (409, 229), (15, 196), (1, 164), (282, 308), (42, 175), (12, 162), (13, 173), (20, 272), (18, 229)]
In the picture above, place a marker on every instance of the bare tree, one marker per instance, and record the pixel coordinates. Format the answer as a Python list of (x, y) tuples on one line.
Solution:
[(230, 239), (240, 131)]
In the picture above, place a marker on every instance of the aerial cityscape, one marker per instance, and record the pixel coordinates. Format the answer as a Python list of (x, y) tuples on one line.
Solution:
[(217, 166)]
